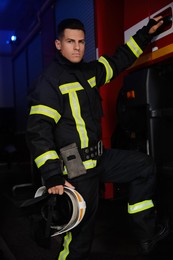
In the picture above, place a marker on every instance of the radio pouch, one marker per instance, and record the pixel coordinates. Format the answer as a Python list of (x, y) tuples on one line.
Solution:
[(72, 161)]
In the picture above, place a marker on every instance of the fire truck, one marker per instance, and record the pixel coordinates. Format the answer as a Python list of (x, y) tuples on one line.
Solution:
[(146, 95), (162, 44), (144, 104)]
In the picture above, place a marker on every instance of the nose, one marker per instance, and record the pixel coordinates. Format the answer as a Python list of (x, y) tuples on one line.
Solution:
[(76, 46)]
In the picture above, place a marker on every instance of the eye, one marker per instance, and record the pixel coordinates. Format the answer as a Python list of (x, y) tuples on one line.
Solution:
[(82, 42)]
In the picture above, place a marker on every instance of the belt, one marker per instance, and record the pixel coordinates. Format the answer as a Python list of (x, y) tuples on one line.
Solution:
[(92, 152)]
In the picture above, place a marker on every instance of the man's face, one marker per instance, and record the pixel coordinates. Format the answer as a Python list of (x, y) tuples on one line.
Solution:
[(72, 45)]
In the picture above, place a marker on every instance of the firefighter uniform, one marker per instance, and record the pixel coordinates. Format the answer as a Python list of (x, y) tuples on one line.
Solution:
[(65, 108)]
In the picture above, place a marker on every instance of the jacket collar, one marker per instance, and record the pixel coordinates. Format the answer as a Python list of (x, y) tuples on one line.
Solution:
[(63, 61)]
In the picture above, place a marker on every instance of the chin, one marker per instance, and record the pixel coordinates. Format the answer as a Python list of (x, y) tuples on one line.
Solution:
[(76, 60)]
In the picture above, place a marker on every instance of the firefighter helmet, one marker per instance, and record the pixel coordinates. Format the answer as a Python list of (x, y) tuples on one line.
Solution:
[(67, 210)]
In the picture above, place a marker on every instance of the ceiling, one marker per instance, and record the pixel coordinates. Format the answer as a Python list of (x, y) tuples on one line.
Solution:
[(16, 15)]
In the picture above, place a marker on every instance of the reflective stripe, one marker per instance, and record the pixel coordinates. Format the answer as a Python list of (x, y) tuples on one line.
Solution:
[(109, 71), (80, 124), (67, 239), (87, 164), (41, 160), (46, 111), (92, 82), (134, 47), (70, 87), (90, 164), (140, 206)]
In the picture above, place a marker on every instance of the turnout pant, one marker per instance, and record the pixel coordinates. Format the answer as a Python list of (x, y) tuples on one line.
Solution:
[(119, 166)]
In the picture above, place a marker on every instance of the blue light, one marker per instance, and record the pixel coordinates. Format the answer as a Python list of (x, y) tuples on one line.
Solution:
[(3, 4), (13, 38)]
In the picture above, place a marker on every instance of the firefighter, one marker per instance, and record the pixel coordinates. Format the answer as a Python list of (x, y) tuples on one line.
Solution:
[(64, 136)]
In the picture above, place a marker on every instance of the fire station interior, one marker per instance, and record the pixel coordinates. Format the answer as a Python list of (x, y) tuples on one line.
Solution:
[(138, 115)]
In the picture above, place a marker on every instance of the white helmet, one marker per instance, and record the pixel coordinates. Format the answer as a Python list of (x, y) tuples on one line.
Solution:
[(67, 212)]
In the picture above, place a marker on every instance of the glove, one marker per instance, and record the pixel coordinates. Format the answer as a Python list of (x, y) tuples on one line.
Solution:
[(54, 180), (167, 20), (150, 24)]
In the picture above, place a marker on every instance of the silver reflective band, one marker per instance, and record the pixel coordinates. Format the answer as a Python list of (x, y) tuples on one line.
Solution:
[(100, 148)]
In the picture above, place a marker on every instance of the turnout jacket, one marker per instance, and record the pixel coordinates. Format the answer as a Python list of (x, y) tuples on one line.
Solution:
[(65, 105)]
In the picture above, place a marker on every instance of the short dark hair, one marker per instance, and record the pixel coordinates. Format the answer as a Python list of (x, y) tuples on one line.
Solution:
[(69, 23)]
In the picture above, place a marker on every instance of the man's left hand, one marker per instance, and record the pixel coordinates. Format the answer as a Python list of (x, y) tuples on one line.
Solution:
[(154, 28)]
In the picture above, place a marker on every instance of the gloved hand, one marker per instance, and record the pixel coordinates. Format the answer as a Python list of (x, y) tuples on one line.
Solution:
[(54, 180), (144, 36), (154, 24)]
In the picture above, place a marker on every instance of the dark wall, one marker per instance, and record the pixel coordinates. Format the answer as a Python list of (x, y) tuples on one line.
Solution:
[(30, 61), (83, 10), (27, 65)]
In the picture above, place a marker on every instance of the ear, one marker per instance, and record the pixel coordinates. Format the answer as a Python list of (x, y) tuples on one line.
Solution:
[(58, 44)]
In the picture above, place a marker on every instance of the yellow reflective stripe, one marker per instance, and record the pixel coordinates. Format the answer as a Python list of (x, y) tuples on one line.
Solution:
[(140, 206), (92, 82), (80, 124), (70, 87), (65, 170), (41, 160), (109, 71), (46, 111), (67, 239), (134, 47), (89, 164)]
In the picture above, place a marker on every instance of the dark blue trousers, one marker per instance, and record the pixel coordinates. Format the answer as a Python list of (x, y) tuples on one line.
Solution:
[(118, 166)]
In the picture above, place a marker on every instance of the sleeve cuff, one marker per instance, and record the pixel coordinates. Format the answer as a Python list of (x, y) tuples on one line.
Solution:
[(54, 181)]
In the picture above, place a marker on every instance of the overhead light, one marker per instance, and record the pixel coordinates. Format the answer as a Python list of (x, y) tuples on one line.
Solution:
[(13, 38)]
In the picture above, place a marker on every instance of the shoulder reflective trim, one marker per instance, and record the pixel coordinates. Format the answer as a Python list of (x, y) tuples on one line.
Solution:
[(140, 206), (46, 111), (80, 124), (134, 47), (92, 81), (41, 160), (64, 253), (70, 87), (109, 71), (87, 164)]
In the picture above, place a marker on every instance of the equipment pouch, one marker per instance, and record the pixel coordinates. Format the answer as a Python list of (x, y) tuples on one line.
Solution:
[(72, 161)]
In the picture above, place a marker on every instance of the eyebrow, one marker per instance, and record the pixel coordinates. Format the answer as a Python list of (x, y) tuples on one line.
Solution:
[(71, 39)]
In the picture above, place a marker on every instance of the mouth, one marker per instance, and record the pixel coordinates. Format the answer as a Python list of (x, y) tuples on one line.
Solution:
[(76, 54)]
